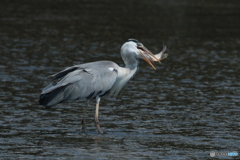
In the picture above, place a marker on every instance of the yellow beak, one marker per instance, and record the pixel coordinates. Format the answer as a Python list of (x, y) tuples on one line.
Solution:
[(147, 56)]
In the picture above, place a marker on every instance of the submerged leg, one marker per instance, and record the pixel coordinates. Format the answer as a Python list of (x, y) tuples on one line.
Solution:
[(96, 115), (83, 119)]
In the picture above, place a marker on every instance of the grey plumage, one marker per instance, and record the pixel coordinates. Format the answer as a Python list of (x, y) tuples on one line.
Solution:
[(85, 81)]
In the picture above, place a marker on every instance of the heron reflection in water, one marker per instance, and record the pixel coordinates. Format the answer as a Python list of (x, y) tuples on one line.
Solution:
[(95, 79)]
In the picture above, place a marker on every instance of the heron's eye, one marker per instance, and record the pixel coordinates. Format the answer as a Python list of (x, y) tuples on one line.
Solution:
[(139, 44)]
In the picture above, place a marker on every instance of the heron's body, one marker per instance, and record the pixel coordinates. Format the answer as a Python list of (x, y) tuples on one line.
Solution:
[(72, 83), (96, 79)]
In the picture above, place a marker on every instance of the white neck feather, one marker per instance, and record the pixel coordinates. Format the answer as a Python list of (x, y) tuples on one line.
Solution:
[(124, 75)]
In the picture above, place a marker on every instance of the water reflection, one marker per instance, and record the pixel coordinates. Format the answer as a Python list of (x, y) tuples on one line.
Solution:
[(189, 105)]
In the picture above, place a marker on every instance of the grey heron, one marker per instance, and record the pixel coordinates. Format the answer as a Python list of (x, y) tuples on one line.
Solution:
[(96, 79)]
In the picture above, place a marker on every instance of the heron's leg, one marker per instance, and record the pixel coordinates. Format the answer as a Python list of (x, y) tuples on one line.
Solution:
[(83, 119), (96, 115)]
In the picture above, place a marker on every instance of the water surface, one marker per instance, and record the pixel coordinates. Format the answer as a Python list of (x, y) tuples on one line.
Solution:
[(186, 108)]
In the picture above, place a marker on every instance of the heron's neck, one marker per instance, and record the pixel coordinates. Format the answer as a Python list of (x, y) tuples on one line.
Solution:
[(130, 68), (124, 74), (131, 63)]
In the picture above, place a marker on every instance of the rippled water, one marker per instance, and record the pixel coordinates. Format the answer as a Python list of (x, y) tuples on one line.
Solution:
[(186, 108)]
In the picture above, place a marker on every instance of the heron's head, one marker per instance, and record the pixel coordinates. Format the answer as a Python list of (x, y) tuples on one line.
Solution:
[(134, 48)]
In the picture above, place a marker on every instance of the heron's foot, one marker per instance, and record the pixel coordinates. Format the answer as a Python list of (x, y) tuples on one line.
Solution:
[(98, 126), (83, 125)]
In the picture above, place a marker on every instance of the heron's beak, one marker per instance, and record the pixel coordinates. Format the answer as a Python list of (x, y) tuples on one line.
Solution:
[(147, 56)]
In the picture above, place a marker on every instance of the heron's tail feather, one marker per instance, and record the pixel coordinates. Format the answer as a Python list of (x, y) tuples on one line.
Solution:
[(52, 98)]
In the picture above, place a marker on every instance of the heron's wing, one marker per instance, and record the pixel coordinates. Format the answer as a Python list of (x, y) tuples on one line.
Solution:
[(84, 81), (56, 77), (64, 72)]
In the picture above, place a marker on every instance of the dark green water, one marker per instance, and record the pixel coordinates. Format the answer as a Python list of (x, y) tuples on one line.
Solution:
[(186, 108)]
